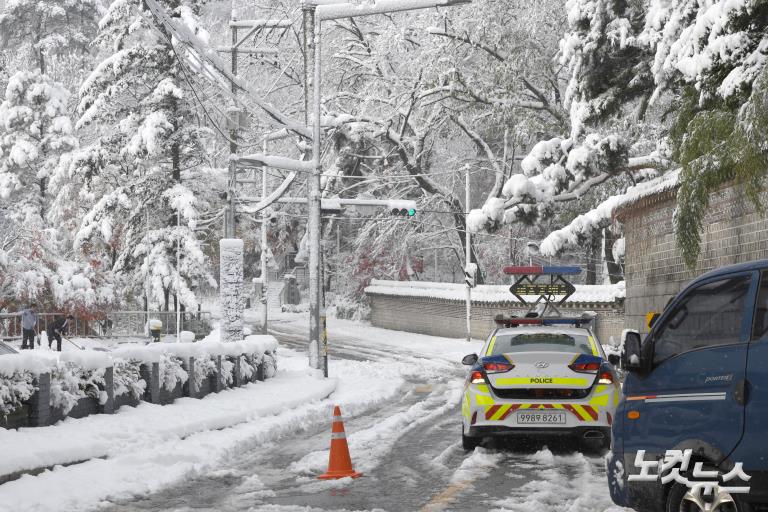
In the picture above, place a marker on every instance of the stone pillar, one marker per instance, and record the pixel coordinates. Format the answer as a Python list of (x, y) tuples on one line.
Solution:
[(40, 403), (109, 384), (190, 388), (151, 375), (260, 371), (219, 377), (231, 289), (237, 379)]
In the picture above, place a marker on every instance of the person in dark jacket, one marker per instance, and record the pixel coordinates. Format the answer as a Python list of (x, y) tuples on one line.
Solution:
[(28, 326), (58, 328)]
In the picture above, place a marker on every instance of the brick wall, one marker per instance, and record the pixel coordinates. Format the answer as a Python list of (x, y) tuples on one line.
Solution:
[(734, 231), (441, 317)]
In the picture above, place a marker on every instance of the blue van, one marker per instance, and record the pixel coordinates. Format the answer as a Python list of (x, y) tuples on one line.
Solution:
[(698, 385)]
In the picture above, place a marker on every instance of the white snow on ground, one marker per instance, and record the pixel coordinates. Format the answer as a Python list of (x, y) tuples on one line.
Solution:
[(557, 488), (477, 465), (164, 456), (373, 444), (132, 428)]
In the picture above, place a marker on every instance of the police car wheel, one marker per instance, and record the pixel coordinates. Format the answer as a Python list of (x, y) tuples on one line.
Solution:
[(469, 443), (681, 499), (598, 446)]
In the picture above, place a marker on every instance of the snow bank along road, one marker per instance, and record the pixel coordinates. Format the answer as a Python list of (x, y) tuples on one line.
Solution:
[(399, 395)]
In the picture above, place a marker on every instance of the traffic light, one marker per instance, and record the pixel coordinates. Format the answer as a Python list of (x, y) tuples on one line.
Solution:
[(402, 208)]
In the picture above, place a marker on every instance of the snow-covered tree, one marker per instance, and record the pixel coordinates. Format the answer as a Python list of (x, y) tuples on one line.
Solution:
[(142, 172), (42, 29), (35, 136)]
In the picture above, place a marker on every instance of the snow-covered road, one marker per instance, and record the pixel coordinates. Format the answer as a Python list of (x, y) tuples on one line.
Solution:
[(406, 443)]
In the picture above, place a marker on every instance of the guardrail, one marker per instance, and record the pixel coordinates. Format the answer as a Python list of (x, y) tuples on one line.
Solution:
[(112, 325)]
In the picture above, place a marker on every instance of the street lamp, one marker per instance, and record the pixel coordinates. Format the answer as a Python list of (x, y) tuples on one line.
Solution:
[(315, 12)]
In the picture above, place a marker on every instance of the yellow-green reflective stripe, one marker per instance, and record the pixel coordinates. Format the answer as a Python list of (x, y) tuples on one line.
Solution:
[(482, 388), (490, 346), (500, 412), (595, 352), (599, 400), (486, 400), (465, 407), (555, 381)]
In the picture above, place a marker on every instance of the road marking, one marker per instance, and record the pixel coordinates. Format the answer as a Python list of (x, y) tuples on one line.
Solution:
[(445, 497)]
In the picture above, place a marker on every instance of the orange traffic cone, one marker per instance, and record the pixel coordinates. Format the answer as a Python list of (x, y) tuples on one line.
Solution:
[(339, 462)]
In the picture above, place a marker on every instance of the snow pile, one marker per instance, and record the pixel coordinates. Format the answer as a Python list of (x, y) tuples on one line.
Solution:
[(86, 359), (583, 226), (209, 347), (487, 294), (33, 361), (134, 438)]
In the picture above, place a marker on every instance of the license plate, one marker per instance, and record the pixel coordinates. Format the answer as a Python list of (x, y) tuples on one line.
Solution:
[(541, 418)]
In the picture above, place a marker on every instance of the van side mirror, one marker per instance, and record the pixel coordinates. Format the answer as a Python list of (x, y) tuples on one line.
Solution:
[(614, 359), (631, 358), (469, 360)]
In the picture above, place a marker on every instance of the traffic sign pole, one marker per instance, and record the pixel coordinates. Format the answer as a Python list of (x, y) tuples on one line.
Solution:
[(468, 254)]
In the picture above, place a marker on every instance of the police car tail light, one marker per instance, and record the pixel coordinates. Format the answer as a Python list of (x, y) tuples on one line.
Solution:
[(585, 366), (605, 378), (497, 367), (477, 378)]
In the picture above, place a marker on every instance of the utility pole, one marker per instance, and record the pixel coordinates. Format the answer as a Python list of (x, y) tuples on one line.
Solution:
[(468, 254), (229, 218), (178, 275), (264, 276), (313, 225)]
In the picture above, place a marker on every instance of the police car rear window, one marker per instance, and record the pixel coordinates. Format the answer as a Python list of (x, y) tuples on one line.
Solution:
[(541, 342)]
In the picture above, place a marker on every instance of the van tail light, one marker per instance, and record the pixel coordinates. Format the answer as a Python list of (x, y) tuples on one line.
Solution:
[(497, 367), (605, 378), (585, 366), (476, 378)]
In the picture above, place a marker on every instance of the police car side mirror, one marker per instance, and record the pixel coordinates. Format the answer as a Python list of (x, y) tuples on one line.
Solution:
[(469, 360), (631, 358)]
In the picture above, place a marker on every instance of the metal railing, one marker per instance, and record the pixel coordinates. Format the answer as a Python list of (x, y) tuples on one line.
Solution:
[(116, 324)]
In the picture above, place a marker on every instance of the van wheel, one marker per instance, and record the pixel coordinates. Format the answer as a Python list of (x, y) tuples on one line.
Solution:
[(680, 499), (469, 443)]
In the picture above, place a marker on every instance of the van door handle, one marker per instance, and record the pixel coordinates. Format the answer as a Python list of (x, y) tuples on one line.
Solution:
[(740, 392)]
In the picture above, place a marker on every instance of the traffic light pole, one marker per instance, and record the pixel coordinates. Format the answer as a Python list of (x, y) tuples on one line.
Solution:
[(314, 12), (314, 200), (468, 253)]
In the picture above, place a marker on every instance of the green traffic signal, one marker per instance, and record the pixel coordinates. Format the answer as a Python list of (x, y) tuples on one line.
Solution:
[(411, 212)]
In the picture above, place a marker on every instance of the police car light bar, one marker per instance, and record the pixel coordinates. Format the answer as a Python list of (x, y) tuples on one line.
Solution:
[(514, 322), (537, 269)]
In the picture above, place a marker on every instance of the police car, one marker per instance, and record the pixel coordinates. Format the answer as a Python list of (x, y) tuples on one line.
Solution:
[(540, 377)]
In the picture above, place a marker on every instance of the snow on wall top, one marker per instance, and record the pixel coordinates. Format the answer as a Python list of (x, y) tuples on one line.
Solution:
[(490, 294), (587, 223), (648, 188), (40, 361)]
